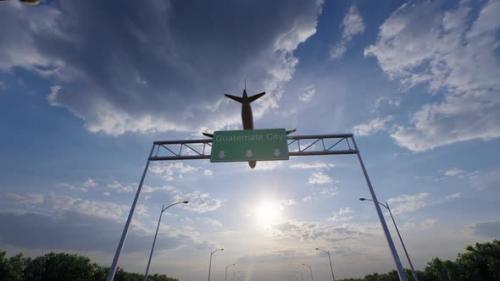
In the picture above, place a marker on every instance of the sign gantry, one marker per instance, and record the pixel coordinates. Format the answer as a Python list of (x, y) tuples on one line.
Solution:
[(300, 145)]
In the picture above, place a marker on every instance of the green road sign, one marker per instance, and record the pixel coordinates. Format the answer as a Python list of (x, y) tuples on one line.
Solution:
[(247, 145)]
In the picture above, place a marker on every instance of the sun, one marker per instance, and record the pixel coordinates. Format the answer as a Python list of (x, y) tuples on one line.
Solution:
[(267, 213)]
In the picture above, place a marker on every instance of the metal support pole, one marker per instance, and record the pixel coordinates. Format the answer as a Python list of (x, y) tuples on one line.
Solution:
[(210, 263), (114, 265), (413, 272), (397, 261), (331, 266), (163, 209), (153, 246)]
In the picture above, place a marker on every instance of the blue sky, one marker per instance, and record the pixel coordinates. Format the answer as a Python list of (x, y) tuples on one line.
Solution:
[(85, 88)]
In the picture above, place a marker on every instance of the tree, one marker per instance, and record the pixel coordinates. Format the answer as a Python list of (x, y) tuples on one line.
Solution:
[(60, 267), (481, 262), (12, 269)]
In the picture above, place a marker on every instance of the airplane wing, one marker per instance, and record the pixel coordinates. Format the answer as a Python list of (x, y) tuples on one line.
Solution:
[(238, 99), (254, 97)]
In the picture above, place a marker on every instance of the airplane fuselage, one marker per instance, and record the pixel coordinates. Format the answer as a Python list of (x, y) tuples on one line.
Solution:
[(246, 113)]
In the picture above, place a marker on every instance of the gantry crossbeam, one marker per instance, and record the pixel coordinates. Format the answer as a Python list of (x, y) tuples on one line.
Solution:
[(304, 145)]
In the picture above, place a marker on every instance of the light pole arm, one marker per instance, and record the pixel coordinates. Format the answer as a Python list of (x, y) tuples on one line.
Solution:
[(163, 209)]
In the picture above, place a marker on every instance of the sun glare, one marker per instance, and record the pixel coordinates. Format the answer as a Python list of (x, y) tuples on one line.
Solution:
[(267, 213)]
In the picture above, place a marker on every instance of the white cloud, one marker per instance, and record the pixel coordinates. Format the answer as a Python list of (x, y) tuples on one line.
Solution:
[(408, 203), (375, 125), (268, 165), (322, 192), (453, 196), (420, 225), (319, 231), (89, 183), (453, 172), (118, 187), (312, 165), (287, 202), (308, 94), (454, 53), (342, 215), (27, 198), (138, 90), (172, 170), (352, 25), (319, 178), (199, 202)]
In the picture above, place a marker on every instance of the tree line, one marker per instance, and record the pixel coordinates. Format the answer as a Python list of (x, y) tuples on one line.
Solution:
[(62, 267), (479, 262)]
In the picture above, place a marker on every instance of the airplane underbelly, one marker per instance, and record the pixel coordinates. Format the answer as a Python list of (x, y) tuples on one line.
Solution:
[(247, 118)]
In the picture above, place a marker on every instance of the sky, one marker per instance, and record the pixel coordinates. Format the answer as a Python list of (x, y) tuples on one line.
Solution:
[(87, 86)]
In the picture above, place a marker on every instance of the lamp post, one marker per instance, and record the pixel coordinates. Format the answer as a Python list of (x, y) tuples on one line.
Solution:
[(386, 205), (225, 272), (397, 261), (210, 263), (163, 209), (310, 270), (330, 259)]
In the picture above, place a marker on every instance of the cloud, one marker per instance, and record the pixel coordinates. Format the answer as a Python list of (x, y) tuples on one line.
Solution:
[(76, 231), (453, 172), (170, 170), (375, 125), (312, 165), (319, 178), (157, 66), (287, 202), (199, 202), (453, 196), (308, 94), (312, 230), (352, 25), (408, 203), (27, 198), (454, 52), (268, 165), (487, 229), (481, 180), (121, 188), (342, 215)]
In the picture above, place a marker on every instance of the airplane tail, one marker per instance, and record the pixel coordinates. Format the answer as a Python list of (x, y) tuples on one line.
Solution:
[(250, 99)]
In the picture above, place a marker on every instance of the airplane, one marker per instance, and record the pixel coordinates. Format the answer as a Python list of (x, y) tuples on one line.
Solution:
[(246, 115)]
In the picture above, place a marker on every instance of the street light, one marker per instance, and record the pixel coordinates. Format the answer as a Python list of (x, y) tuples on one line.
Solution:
[(310, 270), (210, 264), (386, 205), (163, 209), (225, 273), (329, 258)]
